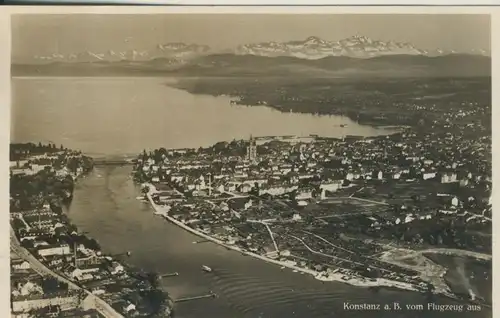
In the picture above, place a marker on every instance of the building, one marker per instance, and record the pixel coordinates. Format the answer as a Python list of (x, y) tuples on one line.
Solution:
[(62, 249), (20, 264), (448, 177), (252, 150)]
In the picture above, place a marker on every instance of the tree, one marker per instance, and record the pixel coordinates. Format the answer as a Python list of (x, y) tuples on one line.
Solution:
[(50, 285)]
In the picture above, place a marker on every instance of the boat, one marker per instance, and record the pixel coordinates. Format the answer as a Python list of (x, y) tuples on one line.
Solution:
[(206, 268)]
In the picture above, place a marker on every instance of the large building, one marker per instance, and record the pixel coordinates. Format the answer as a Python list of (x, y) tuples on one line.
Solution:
[(252, 150)]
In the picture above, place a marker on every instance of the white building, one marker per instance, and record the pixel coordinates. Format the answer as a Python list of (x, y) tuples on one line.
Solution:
[(428, 175), (54, 250)]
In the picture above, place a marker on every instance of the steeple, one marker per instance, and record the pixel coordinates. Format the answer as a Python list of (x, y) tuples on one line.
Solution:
[(252, 150)]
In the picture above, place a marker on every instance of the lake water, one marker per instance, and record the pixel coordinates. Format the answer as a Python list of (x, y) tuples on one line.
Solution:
[(118, 116)]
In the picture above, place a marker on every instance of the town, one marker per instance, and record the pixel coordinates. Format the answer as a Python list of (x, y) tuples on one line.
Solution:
[(57, 271), (364, 211)]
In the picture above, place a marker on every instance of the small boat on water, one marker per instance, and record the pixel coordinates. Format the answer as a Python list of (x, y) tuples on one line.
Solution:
[(206, 268)]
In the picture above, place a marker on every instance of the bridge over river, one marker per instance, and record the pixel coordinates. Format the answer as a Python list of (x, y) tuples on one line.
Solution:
[(113, 162)]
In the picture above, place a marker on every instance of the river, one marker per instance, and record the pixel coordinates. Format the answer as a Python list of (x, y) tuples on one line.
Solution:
[(116, 116), (106, 207)]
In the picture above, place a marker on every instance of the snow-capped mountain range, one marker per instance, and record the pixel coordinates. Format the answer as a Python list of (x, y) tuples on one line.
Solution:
[(355, 46), (175, 52), (311, 48)]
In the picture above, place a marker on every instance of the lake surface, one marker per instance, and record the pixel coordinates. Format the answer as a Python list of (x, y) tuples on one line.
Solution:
[(106, 207), (116, 116)]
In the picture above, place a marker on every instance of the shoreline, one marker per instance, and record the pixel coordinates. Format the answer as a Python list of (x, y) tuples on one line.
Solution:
[(333, 277)]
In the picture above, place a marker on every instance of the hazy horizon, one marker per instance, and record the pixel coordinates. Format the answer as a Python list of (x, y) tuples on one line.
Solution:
[(47, 34)]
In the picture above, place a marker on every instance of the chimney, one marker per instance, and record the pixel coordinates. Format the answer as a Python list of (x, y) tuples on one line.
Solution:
[(210, 184), (74, 252)]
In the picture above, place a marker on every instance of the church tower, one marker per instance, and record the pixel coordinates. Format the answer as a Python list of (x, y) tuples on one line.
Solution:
[(252, 150)]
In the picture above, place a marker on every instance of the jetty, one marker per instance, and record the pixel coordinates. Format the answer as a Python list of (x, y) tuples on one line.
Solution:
[(209, 295), (201, 241), (169, 275)]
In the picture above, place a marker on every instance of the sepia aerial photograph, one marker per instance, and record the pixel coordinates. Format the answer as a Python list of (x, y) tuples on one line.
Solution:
[(251, 165)]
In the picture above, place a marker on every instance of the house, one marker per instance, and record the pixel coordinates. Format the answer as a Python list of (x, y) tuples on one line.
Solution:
[(46, 206), (200, 193), (220, 188), (304, 194), (380, 175), (409, 218), (448, 178), (331, 186), (277, 190), (83, 273), (129, 307), (302, 203), (117, 268), (91, 259), (28, 288), (428, 175), (373, 222), (244, 188), (224, 206), (231, 186), (20, 264), (248, 204)]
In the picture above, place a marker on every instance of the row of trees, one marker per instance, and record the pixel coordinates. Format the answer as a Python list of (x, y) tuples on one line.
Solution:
[(19, 151)]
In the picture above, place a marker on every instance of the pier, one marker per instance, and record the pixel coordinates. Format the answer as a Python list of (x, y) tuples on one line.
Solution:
[(201, 241), (169, 275), (210, 295)]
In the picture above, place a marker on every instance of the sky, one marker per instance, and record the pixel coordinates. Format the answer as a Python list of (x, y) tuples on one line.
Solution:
[(46, 34)]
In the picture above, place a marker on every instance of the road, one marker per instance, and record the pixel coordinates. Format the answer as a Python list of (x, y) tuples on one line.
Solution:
[(369, 201), (269, 230), (104, 308)]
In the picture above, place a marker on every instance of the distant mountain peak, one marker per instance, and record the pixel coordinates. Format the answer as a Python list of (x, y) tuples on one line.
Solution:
[(314, 40), (358, 46), (170, 51)]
